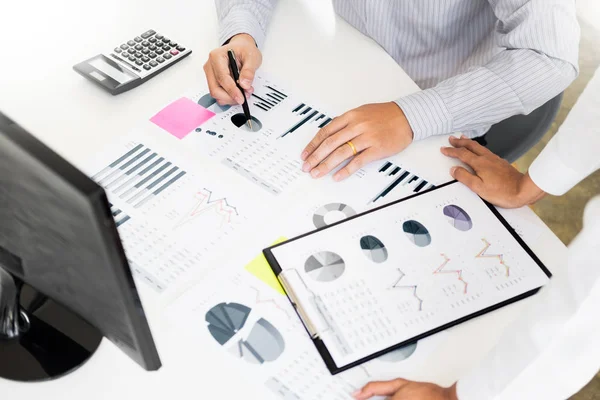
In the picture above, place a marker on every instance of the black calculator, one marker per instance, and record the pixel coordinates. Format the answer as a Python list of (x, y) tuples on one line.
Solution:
[(133, 62)]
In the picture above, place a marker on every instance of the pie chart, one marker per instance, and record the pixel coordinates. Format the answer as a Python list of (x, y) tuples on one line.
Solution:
[(264, 343), (209, 102), (324, 266), (241, 122), (399, 354), (225, 320), (332, 212), (417, 233), (373, 248), (458, 218)]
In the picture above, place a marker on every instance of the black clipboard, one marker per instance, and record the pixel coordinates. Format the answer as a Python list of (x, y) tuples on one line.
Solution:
[(320, 345)]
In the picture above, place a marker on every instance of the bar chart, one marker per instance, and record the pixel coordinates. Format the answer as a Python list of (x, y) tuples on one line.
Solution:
[(268, 98), (138, 176), (119, 216), (307, 114), (395, 176)]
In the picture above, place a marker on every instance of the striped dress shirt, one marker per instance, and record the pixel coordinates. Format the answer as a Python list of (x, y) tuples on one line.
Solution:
[(478, 61)]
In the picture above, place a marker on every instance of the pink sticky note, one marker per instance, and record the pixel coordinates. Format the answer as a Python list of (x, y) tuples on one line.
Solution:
[(181, 117)]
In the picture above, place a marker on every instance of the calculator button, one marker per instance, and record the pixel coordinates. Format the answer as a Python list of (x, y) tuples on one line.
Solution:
[(180, 48), (166, 48), (137, 39), (153, 63), (145, 43), (159, 51), (146, 67), (118, 50), (145, 51), (147, 34), (174, 52), (124, 46), (166, 40), (145, 59), (139, 62), (131, 50), (152, 55), (138, 54), (167, 56), (131, 43), (158, 36), (153, 47), (138, 47), (173, 44), (131, 58), (160, 60), (152, 40)]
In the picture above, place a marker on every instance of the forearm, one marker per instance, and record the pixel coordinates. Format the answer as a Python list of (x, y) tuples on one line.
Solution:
[(537, 59), (244, 16), (514, 82)]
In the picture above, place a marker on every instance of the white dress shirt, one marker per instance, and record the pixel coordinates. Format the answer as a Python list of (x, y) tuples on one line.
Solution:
[(479, 62), (553, 350)]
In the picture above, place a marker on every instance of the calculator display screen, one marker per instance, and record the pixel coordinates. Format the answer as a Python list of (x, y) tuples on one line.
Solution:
[(111, 69)]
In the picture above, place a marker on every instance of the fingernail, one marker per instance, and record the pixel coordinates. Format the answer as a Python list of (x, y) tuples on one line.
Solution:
[(240, 100), (304, 155), (452, 171), (306, 167), (355, 394), (245, 82), (463, 137), (337, 177), (315, 173)]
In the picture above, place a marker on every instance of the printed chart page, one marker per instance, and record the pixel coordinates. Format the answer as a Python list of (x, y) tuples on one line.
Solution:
[(268, 153), (173, 215), (381, 279), (244, 317)]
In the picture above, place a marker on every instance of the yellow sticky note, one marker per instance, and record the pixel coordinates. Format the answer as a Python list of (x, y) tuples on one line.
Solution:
[(260, 268)]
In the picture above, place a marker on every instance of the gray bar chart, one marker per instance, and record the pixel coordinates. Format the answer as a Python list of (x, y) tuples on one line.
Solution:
[(138, 176), (399, 177), (119, 216), (266, 101)]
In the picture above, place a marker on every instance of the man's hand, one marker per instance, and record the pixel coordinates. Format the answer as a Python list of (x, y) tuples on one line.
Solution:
[(495, 179), (376, 131), (401, 389), (220, 82)]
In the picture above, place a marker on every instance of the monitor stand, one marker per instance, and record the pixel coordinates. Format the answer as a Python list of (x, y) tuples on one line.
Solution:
[(39, 339)]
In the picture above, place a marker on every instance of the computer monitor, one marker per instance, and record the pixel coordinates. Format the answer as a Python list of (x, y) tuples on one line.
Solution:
[(64, 278)]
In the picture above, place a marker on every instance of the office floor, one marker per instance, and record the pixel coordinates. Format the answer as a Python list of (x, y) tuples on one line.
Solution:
[(564, 214)]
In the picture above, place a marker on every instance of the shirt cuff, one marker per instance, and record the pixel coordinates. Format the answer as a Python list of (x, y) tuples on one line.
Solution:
[(426, 113), (241, 21), (551, 174)]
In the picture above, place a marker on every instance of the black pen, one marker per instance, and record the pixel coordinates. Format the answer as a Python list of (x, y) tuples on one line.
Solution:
[(236, 77)]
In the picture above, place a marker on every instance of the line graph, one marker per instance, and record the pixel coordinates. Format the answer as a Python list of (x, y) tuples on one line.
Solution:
[(458, 272), (499, 257), (271, 301), (397, 285), (205, 204)]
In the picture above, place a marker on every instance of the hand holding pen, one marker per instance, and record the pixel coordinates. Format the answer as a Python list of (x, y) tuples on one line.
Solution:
[(218, 73), (236, 76)]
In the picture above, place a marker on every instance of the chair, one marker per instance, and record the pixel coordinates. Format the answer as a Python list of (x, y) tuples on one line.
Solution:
[(513, 137)]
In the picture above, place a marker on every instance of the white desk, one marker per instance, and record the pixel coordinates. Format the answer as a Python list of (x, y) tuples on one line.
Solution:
[(307, 46)]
